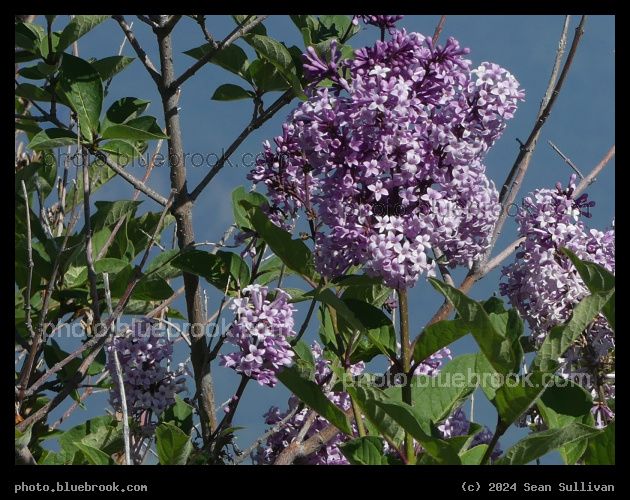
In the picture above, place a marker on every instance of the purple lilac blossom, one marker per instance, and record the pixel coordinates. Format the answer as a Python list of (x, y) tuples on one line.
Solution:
[(389, 158), (544, 285), (260, 330), (149, 386)]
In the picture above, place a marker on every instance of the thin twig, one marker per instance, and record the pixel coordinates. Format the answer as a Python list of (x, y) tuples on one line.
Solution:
[(566, 159), (509, 191), (438, 29), (29, 250), (444, 271), (496, 261), (590, 178), (142, 55), (91, 272), (119, 376), (254, 124), (307, 319), (120, 49), (140, 186)]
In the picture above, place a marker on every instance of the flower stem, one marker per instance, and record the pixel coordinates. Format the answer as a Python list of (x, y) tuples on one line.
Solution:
[(406, 365)]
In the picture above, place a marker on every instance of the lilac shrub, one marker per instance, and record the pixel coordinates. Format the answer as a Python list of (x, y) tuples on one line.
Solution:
[(260, 330), (387, 161), (544, 285)]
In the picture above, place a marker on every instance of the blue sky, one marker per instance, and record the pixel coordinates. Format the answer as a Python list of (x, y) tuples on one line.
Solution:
[(582, 125)]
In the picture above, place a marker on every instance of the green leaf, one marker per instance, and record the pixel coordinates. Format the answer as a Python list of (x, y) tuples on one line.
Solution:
[(563, 403), (140, 229), (376, 326), (33, 92), (173, 445), (95, 456), (372, 294), (31, 73), (474, 455), (28, 36), (103, 433), (23, 438), (601, 448), (106, 265), (231, 58), (274, 51), (335, 26), (312, 395), (44, 46), (304, 352), (78, 27), (267, 77), (53, 354), (231, 92), (122, 152), (53, 138), (497, 348), (294, 253), (180, 414), (539, 444), (143, 127), (123, 110), (366, 450), (215, 268), (110, 66), (436, 336), (83, 88), (561, 337), (489, 379), (597, 279), (435, 398), (271, 271), (378, 421), (49, 69), (517, 394), (240, 214), (305, 22), (108, 212), (162, 266)]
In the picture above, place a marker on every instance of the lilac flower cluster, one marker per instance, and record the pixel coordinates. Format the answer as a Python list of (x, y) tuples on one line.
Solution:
[(329, 454), (260, 331), (149, 386), (457, 425), (388, 160), (544, 285)]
